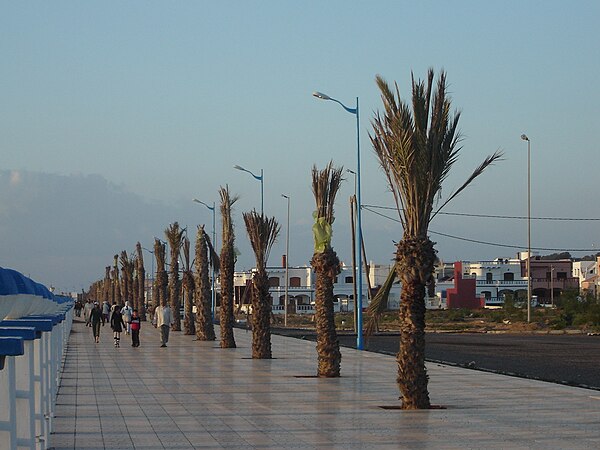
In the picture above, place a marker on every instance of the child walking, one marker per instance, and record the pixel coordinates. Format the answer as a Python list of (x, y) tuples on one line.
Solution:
[(117, 324), (135, 324)]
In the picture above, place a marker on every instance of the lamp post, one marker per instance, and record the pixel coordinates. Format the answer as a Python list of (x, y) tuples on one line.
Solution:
[(353, 173), (358, 302), (525, 138), (552, 285), (353, 228), (259, 178), (152, 284), (287, 261), (212, 266)]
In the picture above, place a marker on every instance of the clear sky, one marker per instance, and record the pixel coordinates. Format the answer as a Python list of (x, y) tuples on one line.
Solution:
[(156, 101)]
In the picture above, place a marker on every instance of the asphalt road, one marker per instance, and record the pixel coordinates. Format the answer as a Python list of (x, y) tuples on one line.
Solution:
[(566, 359)]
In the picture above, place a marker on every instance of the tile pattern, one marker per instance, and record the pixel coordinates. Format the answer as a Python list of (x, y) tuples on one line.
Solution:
[(193, 394)]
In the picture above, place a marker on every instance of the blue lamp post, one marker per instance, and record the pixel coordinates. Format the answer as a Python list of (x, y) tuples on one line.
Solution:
[(152, 285), (358, 303), (259, 178), (214, 242)]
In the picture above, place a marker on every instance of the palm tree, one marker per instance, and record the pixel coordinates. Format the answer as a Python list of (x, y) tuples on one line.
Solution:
[(188, 289), (126, 278), (174, 236), (107, 288), (325, 263), (160, 283), (262, 232), (116, 283), (141, 279), (205, 330), (417, 144), (227, 269)]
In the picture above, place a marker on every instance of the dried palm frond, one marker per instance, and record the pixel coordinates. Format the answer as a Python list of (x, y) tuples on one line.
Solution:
[(227, 202), (379, 304), (186, 254), (262, 232), (325, 186)]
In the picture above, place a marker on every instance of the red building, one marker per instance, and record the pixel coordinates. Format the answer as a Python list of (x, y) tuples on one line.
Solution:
[(464, 292)]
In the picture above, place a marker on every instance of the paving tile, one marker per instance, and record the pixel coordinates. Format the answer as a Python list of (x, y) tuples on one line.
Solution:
[(193, 394)]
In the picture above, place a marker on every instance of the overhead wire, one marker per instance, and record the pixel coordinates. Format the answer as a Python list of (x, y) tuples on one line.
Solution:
[(494, 216), (495, 244)]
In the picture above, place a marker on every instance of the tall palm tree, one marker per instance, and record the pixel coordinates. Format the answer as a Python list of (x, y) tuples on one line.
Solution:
[(263, 232), (107, 288), (187, 283), (174, 236), (417, 144), (141, 279), (161, 281), (116, 282), (325, 263), (205, 330), (227, 269), (126, 278)]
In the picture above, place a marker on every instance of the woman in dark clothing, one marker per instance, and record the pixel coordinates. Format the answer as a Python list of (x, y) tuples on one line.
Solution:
[(96, 319), (117, 324)]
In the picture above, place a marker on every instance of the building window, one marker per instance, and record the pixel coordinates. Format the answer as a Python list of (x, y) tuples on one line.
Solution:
[(274, 281), (561, 275), (348, 279), (294, 281), (509, 276), (489, 277)]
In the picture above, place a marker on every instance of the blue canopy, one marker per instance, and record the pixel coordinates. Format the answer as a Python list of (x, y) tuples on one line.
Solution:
[(8, 286), (24, 284)]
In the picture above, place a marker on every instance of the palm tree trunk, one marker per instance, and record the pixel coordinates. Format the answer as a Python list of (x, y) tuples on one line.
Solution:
[(188, 289), (414, 264), (326, 266), (226, 311), (261, 316), (141, 272), (205, 330)]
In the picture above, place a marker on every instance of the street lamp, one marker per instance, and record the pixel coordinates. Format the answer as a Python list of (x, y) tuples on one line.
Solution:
[(152, 284), (214, 242), (358, 302), (259, 178), (287, 262), (353, 228), (525, 138)]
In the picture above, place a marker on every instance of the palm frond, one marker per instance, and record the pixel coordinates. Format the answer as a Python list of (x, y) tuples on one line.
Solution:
[(227, 201), (379, 303), (491, 159), (262, 232), (212, 253), (417, 145), (186, 254), (325, 186)]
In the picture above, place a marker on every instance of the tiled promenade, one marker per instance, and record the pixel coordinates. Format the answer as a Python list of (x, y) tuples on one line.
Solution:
[(195, 395)]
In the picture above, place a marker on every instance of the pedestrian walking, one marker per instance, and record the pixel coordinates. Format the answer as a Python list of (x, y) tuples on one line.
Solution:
[(87, 309), (78, 308), (117, 324), (95, 320), (126, 312), (105, 311), (163, 320), (135, 324)]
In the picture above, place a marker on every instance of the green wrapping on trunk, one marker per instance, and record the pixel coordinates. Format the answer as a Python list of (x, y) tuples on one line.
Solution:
[(322, 232)]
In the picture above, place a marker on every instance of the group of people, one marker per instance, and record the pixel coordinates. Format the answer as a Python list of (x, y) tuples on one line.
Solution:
[(119, 317), (125, 318)]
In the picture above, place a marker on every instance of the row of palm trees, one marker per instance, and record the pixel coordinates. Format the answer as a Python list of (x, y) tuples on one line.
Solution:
[(416, 143)]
